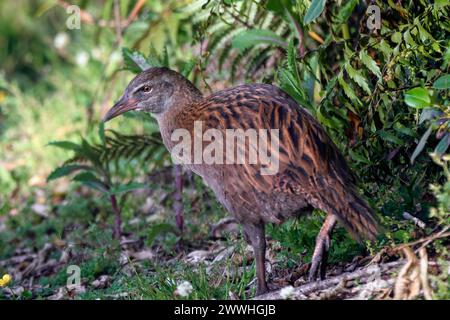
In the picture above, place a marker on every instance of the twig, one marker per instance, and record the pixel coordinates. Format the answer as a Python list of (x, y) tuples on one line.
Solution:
[(117, 232), (117, 19), (427, 240), (133, 14), (361, 274), (417, 221)]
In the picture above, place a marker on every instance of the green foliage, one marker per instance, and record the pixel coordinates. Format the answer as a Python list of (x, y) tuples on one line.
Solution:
[(249, 38), (362, 101), (314, 11)]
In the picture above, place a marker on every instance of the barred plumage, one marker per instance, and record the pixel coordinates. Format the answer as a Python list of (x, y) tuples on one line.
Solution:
[(312, 172)]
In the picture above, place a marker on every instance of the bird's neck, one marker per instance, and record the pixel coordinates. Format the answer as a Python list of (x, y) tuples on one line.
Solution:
[(184, 96)]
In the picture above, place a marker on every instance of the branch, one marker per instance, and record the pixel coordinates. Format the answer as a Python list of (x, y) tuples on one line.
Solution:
[(360, 276)]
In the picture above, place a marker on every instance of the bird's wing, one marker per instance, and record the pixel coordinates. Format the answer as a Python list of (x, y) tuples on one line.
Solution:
[(310, 164), (307, 156)]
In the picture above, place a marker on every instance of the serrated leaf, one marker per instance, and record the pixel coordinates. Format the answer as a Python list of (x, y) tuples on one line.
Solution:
[(314, 11), (390, 137), (357, 77), (134, 60), (417, 98), (421, 144), (249, 38), (291, 57), (89, 179), (442, 83), (89, 152), (349, 92), (385, 48), (370, 63), (289, 83)]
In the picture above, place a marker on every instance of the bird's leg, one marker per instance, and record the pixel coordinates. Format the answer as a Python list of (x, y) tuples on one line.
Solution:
[(255, 236), (178, 198), (320, 254)]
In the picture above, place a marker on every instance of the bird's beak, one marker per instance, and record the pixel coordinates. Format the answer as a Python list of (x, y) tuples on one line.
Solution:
[(121, 106)]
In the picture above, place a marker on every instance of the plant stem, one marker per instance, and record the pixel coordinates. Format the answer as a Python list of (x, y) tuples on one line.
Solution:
[(117, 232), (345, 31)]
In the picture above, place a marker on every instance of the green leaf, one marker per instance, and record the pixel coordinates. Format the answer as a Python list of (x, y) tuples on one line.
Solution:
[(67, 145), (396, 37), (314, 11), (409, 40), (89, 152), (358, 157), (165, 58), (249, 38), (370, 63), (101, 132), (404, 130), (429, 114), (66, 170), (346, 11), (187, 67), (134, 60), (291, 57), (90, 180), (288, 82), (275, 6), (417, 98), (442, 146), (357, 77), (390, 137), (156, 230), (442, 83), (385, 48), (421, 144), (349, 92), (122, 188)]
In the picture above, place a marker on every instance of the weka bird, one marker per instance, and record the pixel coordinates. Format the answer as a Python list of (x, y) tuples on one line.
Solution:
[(311, 172)]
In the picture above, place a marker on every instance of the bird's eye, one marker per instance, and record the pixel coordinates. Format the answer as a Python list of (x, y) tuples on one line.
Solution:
[(146, 89)]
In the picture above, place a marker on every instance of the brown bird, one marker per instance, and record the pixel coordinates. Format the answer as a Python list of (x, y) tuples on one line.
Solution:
[(311, 171)]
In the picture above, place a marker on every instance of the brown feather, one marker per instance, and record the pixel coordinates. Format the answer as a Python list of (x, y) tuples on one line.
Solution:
[(312, 172)]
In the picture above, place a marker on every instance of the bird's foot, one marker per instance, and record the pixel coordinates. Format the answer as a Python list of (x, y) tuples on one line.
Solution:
[(319, 259), (262, 289)]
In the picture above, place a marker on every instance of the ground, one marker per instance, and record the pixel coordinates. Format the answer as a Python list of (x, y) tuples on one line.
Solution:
[(66, 226)]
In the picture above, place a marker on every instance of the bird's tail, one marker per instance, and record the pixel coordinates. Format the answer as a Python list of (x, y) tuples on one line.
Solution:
[(351, 210)]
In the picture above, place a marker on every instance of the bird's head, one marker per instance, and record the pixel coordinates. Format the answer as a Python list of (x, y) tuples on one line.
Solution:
[(150, 91)]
